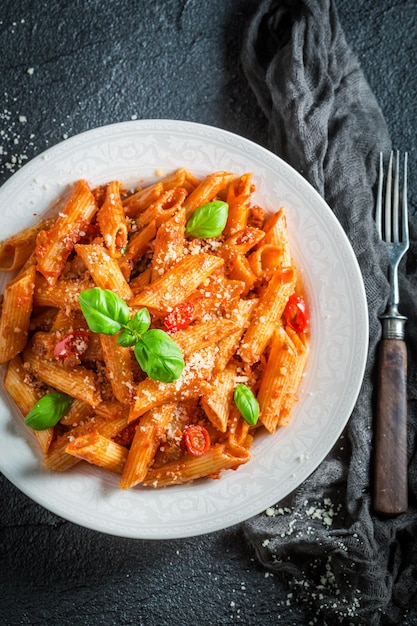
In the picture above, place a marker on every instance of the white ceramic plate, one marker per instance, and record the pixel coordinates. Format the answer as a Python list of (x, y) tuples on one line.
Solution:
[(339, 327)]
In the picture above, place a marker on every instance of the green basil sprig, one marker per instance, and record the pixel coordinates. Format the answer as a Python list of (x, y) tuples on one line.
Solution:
[(135, 328), (48, 410), (247, 404), (157, 354), (104, 311), (208, 220)]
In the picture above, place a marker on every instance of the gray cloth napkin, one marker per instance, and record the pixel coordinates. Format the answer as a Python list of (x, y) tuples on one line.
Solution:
[(345, 563)]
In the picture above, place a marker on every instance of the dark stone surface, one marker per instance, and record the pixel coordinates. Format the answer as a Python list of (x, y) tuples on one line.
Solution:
[(95, 63)]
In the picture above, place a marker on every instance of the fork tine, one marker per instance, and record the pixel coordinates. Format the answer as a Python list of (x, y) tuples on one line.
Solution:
[(395, 198), (378, 206), (391, 218), (388, 195), (404, 217)]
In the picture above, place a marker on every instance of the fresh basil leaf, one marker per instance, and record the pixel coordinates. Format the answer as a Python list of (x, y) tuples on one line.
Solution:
[(48, 410), (247, 404), (159, 356), (208, 220), (135, 328), (127, 338), (103, 310), (140, 322)]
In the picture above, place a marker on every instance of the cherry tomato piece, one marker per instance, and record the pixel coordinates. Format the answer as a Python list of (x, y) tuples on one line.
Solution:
[(74, 343), (295, 314), (196, 439), (179, 318)]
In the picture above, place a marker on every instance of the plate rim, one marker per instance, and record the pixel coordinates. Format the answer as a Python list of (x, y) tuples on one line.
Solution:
[(185, 126)]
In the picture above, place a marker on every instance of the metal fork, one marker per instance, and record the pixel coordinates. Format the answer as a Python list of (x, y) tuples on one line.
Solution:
[(390, 496)]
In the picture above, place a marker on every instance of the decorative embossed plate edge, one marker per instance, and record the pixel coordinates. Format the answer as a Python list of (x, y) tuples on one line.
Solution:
[(135, 150)]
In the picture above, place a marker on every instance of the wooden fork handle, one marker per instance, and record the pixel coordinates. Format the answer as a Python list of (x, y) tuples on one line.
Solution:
[(390, 495)]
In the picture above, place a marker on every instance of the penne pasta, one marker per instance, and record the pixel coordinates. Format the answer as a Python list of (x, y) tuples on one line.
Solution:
[(16, 313), (294, 378), (169, 244), (138, 245), (63, 293), (276, 234), (118, 364), (265, 260), (234, 252), (185, 347), (238, 199), (104, 269), (267, 315), (148, 435), (238, 436), (59, 460), (177, 284), (190, 468), (78, 413), (163, 208), (228, 345), (112, 221), (16, 250), (282, 360), (204, 334), (151, 393), (98, 450), (217, 399), (78, 382), (111, 409), (139, 201), (53, 246), (207, 190), (21, 388)]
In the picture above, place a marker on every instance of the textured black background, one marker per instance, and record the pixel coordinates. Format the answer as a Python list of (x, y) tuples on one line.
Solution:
[(67, 66)]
